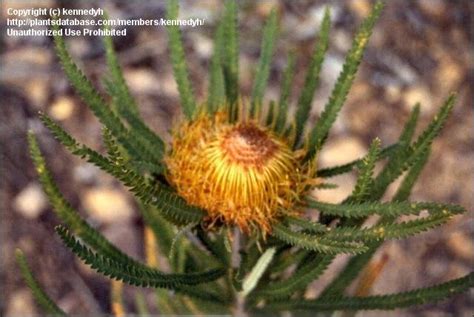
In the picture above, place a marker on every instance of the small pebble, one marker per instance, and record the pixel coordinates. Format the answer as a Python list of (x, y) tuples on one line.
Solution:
[(107, 205), (342, 151), (62, 108), (31, 201)]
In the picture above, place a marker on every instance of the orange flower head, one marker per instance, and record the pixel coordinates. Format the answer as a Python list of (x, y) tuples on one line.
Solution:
[(240, 173)]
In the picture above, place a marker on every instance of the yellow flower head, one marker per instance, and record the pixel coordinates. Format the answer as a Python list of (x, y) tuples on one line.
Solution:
[(240, 173)]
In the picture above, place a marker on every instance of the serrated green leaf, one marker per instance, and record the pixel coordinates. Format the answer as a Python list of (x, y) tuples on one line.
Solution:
[(365, 181), (345, 168), (415, 297), (263, 69), (312, 78), (343, 84), (389, 231), (134, 145), (65, 211), (297, 281), (39, 294), (356, 210), (230, 57), (310, 242), (216, 89), (171, 205), (286, 258), (311, 226), (215, 246), (178, 60), (133, 273), (404, 190), (285, 90), (408, 156), (116, 73), (138, 129)]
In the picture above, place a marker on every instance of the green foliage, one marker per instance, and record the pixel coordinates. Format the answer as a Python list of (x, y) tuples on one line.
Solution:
[(415, 297), (343, 84), (297, 251), (365, 182), (171, 205), (263, 69), (312, 77), (406, 156), (215, 245), (178, 61), (310, 242), (357, 210), (133, 273), (356, 264), (348, 167), (216, 90), (285, 90), (307, 273), (65, 211), (116, 77), (230, 57), (310, 226), (271, 114), (40, 295), (389, 231)]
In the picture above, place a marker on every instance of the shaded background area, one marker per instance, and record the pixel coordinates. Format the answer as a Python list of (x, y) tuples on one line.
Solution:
[(420, 52)]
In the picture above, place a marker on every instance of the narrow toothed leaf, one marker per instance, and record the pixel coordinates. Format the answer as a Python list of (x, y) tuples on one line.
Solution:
[(356, 210), (407, 155), (230, 57), (350, 272), (39, 294), (312, 78), (305, 224), (263, 69), (288, 258), (131, 141), (285, 91), (299, 280), (389, 231), (178, 60), (391, 301), (345, 168), (216, 89), (138, 129), (271, 114), (116, 75), (133, 273), (356, 264), (365, 180), (343, 84), (310, 242), (64, 210), (215, 246), (163, 230), (410, 126), (405, 188)]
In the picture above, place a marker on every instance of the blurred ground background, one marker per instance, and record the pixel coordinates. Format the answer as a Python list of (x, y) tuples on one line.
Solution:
[(420, 51)]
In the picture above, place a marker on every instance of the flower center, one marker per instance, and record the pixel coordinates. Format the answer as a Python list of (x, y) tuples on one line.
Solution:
[(247, 145)]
